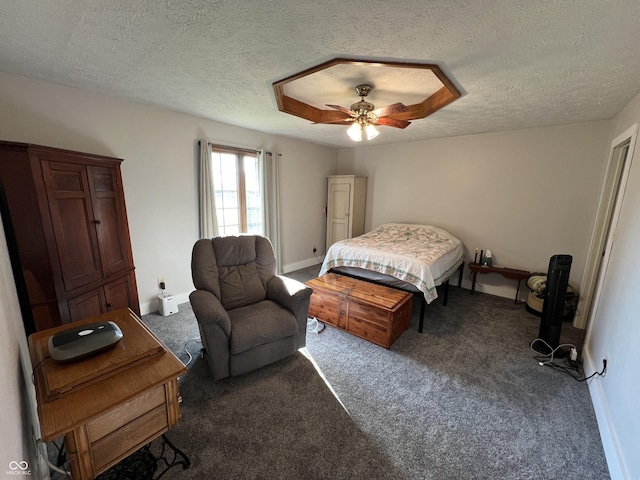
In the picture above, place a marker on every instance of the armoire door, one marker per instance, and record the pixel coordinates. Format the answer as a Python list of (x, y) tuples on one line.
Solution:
[(339, 208), (73, 222), (90, 304), (110, 222), (120, 293)]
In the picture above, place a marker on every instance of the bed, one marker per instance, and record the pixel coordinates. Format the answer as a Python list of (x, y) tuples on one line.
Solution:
[(415, 258)]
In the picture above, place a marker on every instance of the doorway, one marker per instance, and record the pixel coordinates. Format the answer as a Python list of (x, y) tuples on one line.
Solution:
[(604, 235)]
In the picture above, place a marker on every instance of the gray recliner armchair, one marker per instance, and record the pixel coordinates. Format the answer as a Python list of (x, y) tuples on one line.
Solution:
[(248, 316)]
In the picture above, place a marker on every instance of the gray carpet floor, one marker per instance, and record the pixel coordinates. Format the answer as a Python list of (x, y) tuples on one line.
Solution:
[(465, 399)]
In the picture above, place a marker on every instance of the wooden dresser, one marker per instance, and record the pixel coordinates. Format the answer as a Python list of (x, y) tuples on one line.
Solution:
[(374, 312), (108, 405)]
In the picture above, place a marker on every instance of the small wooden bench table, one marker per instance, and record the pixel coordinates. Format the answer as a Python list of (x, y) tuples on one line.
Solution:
[(511, 273), (367, 310)]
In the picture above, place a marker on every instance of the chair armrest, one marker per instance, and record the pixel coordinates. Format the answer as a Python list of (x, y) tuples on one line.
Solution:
[(289, 293), (208, 310)]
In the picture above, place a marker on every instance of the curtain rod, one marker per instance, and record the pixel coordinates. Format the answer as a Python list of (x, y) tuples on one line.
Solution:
[(235, 149)]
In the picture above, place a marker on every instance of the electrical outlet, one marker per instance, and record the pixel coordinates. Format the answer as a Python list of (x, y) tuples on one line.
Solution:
[(573, 355), (161, 280)]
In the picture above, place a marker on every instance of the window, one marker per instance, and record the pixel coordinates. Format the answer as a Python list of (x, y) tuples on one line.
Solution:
[(238, 196)]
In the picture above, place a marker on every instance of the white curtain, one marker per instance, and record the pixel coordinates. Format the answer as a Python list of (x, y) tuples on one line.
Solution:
[(271, 200), (208, 218)]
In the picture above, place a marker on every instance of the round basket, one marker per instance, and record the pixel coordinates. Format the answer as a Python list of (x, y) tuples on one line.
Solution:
[(535, 301)]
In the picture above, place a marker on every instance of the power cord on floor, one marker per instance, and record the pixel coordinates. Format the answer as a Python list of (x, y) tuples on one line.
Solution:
[(572, 364), (197, 339), (314, 326), (552, 351), (43, 451)]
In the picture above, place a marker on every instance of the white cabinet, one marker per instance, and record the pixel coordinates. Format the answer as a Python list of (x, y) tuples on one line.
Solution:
[(346, 197)]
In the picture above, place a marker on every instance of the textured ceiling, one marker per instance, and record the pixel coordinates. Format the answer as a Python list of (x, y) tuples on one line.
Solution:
[(518, 63)]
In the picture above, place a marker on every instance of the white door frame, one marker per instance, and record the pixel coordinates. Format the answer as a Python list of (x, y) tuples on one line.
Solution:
[(604, 233)]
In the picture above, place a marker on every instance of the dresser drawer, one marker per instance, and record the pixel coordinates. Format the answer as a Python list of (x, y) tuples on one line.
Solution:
[(125, 413), (122, 442)]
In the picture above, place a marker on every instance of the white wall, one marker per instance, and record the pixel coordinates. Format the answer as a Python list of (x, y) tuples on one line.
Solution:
[(159, 172), (614, 331), (17, 394), (526, 194)]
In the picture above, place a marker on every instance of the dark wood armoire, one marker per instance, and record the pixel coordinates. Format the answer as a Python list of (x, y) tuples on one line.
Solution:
[(66, 225)]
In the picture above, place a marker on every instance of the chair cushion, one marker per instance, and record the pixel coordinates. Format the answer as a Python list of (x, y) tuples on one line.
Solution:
[(240, 285), (258, 324)]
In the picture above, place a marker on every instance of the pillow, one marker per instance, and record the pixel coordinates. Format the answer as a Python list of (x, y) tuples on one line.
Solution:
[(240, 285)]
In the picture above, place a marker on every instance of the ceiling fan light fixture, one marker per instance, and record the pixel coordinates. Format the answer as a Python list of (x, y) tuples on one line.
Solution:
[(362, 126), (371, 131), (355, 132)]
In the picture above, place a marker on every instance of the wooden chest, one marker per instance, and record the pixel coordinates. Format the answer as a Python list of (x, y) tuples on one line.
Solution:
[(370, 311)]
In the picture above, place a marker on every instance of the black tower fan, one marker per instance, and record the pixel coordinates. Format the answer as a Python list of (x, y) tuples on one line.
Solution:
[(553, 307)]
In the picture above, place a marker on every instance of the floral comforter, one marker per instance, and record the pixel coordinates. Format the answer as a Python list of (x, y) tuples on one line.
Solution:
[(422, 255)]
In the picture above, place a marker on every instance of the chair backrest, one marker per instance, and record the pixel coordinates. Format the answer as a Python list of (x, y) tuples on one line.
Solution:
[(234, 269)]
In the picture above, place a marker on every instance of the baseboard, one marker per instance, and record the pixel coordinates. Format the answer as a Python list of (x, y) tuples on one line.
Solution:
[(309, 262), (154, 305), (615, 460), (31, 423)]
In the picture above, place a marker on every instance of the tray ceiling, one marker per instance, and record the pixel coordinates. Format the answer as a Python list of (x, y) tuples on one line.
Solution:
[(406, 85)]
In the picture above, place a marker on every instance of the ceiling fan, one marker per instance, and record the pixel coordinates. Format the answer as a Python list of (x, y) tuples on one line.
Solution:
[(364, 115)]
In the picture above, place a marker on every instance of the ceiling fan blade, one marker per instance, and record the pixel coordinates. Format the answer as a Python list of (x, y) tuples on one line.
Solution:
[(341, 121), (392, 122), (390, 109), (341, 109)]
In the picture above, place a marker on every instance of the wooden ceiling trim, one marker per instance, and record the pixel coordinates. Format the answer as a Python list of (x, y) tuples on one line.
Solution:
[(444, 96), (430, 105)]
